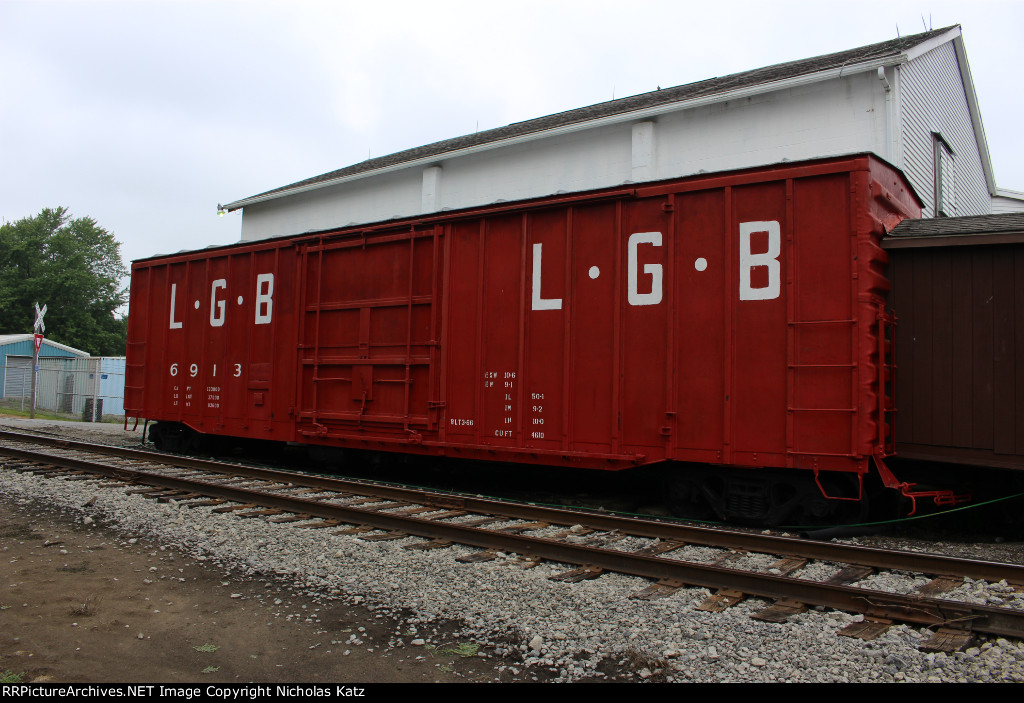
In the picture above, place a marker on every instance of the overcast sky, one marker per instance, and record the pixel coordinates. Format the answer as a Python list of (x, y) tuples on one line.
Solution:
[(146, 115)]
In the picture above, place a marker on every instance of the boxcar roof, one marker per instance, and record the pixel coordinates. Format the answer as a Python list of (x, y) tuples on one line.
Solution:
[(1004, 228)]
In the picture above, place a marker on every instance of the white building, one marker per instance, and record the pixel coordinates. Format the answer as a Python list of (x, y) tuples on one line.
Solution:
[(909, 100)]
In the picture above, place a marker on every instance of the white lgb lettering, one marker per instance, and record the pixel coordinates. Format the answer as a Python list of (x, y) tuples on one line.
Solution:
[(217, 306), (174, 291), (540, 303), (634, 296), (264, 298), (769, 259)]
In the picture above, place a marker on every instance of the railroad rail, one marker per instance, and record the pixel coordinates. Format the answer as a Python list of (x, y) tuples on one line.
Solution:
[(393, 512)]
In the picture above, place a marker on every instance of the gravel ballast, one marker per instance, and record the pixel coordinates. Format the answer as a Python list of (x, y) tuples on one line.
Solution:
[(570, 631)]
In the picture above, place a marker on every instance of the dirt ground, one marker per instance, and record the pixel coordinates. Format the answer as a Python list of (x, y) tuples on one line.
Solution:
[(82, 604)]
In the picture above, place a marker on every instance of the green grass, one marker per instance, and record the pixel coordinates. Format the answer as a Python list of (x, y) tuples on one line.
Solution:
[(12, 408), (40, 414), (10, 677), (463, 649)]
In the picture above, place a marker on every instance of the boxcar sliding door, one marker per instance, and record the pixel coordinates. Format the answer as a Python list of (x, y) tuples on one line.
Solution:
[(369, 331)]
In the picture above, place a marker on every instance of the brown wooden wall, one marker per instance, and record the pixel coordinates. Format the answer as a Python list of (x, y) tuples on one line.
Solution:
[(960, 352)]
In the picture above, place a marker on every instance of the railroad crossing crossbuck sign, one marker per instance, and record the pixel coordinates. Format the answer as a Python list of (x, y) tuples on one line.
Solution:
[(39, 326)]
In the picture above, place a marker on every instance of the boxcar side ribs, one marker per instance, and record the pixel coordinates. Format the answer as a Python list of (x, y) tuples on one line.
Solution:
[(720, 320)]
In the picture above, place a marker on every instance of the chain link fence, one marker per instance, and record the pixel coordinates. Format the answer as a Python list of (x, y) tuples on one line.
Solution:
[(88, 388)]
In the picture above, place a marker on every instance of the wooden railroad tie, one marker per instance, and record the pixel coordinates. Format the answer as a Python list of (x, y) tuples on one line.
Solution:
[(233, 508), (384, 537), (528, 561), (386, 504), (355, 530), (291, 518), (939, 585), (481, 521), (724, 598), (850, 574), (448, 514), (948, 640), (261, 513), (178, 497), (322, 523), (431, 544), (867, 629), (780, 611), (523, 527), (583, 573), (144, 491), (475, 557), (726, 557), (413, 510), (661, 589), (661, 548), (211, 501), (787, 565), (604, 539), (574, 531)]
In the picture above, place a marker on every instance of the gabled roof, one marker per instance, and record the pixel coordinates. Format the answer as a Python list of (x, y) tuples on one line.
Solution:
[(6, 339), (711, 90), (1003, 228)]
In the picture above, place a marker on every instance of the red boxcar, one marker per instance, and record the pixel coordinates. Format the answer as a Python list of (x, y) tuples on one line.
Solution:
[(731, 319)]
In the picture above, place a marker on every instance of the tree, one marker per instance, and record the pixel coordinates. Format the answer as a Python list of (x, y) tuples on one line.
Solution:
[(74, 267)]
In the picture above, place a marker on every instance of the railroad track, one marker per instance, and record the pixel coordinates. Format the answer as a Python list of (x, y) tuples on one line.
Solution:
[(734, 565)]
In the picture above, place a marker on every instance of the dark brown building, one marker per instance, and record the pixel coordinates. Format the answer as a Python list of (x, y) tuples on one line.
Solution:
[(958, 291)]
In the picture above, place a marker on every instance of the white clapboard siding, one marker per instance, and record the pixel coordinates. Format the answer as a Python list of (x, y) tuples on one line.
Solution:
[(1007, 203), (892, 109), (843, 115), (933, 100)]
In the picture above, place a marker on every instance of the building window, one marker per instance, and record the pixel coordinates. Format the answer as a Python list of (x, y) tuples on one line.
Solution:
[(945, 177)]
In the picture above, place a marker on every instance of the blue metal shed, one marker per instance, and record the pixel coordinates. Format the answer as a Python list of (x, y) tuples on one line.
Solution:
[(69, 380), (16, 361)]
